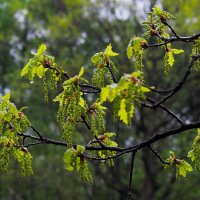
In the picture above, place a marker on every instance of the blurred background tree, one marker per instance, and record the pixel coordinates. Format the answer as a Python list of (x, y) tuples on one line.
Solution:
[(74, 31)]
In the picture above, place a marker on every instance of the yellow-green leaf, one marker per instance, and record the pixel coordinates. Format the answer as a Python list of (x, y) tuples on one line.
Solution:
[(129, 51), (40, 71), (7, 96), (25, 70), (41, 50), (177, 51), (82, 102), (145, 89), (108, 51), (157, 10), (81, 72), (68, 155), (96, 57), (80, 149), (122, 112), (191, 155), (104, 93), (170, 58), (182, 168)]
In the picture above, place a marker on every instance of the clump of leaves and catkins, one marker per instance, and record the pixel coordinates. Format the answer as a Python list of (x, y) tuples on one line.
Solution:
[(13, 122)]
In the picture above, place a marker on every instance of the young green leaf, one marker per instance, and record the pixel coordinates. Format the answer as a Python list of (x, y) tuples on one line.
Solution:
[(41, 50), (194, 154), (104, 93), (81, 72), (129, 51), (109, 52), (96, 58), (122, 112), (177, 51), (182, 167), (68, 156), (25, 70)]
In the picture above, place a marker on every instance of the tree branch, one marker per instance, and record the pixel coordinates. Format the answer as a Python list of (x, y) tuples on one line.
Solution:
[(167, 110), (82, 85), (131, 175), (173, 39), (111, 72), (158, 156), (180, 84)]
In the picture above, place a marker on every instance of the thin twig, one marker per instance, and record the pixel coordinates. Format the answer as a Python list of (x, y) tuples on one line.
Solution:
[(99, 141), (33, 144), (173, 31), (158, 156), (82, 85), (85, 122), (131, 175), (111, 72), (156, 90), (173, 39), (167, 110), (38, 133), (180, 84)]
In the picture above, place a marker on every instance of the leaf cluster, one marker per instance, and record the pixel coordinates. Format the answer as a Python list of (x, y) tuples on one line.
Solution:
[(105, 139), (13, 122), (182, 167), (75, 161), (124, 95), (71, 106), (104, 64), (155, 25)]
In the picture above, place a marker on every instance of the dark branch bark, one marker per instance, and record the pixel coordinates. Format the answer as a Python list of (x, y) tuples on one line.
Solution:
[(158, 156), (131, 175)]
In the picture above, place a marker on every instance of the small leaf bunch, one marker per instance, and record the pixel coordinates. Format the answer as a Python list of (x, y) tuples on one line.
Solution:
[(104, 64), (194, 153), (71, 106), (135, 48), (95, 115), (124, 95), (182, 167), (154, 26), (196, 51), (12, 123), (38, 65), (105, 139), (156, 23), (75, 161)]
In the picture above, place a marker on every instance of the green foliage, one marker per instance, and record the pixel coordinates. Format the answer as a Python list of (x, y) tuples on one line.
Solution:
[(39, 65), (11, 116), (24, 158), (74, 161), (194, 153), (156, 26), (13, 122), (182, 167), (135, 48), (195, 51), (36, 65), (71, 106), (169, 58), (95, 115), (103, 62), (156, 22), (106, 140), (124, 95)]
